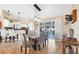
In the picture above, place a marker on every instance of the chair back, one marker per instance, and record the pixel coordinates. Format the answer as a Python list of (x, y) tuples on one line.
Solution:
[(27, 42)]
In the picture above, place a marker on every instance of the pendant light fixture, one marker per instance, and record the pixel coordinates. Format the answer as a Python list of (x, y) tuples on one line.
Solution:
[(37, 19), (18, 15)]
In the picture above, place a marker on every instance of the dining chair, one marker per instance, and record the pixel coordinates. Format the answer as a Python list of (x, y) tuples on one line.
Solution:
[(26, 43)]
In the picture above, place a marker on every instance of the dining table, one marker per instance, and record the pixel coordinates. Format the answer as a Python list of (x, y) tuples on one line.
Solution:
[(35, 40)]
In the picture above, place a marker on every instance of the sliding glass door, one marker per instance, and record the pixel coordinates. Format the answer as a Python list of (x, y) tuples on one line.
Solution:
[(49, 28)]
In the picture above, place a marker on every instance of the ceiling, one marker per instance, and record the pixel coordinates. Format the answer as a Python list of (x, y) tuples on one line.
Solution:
[(28, 11)]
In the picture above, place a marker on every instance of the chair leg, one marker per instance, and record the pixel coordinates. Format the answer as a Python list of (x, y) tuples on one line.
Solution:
[(25, 50), (35, 47), (43, 44), (76, 50), (21, 48), (13, 38), (5, 40), (39, 46)]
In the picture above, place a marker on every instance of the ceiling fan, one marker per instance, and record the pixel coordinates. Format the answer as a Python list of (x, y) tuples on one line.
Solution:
[(37, 7)]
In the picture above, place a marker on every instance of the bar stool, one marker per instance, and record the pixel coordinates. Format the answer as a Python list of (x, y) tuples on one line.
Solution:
[(6, 38), (10, 38), (0, 38), (13, 38)]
